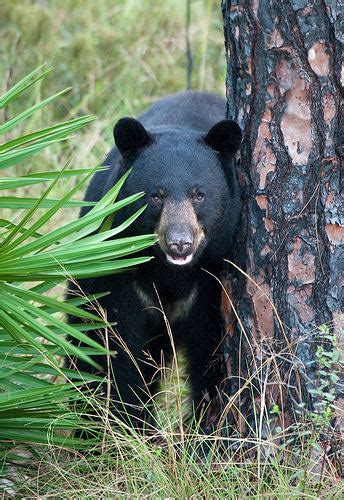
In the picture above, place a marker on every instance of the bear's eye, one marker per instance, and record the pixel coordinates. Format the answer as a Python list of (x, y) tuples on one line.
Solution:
[(199, 197), (156, 197)]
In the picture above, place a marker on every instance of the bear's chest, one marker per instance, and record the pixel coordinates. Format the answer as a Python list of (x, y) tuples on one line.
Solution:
[(170, 308)]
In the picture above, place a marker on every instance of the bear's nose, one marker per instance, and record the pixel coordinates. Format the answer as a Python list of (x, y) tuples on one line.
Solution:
[(179, 243), (180, 248)]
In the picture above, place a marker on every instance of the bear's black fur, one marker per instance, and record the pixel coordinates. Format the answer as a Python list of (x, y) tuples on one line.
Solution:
[(181, 154)]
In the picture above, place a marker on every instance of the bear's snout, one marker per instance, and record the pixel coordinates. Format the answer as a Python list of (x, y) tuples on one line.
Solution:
[(179, 240), (179, 244), (179, 232)]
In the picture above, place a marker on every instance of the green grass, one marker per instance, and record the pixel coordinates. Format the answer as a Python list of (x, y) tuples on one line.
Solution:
[(165, 465), (118, 57)]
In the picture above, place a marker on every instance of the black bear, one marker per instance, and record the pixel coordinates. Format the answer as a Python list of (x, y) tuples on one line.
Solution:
[(180, 152)]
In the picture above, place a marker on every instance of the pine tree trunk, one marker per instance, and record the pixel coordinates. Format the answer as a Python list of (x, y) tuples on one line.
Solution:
[(283, 87)]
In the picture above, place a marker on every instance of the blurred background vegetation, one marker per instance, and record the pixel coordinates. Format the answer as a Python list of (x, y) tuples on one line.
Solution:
[(117, 57)]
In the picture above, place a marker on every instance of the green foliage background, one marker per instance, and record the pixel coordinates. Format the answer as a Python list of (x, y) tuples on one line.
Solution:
[(118, 57)]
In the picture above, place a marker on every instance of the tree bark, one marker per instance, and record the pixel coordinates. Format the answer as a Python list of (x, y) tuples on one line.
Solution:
[(283, 87)]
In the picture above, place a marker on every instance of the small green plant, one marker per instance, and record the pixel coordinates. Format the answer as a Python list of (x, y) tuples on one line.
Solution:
[(35, 392), (327, 378)]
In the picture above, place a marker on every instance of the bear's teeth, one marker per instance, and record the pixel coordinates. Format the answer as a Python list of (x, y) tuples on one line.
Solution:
[(180, 261)]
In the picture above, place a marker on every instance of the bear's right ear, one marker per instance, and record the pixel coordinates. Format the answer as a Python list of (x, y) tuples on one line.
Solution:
[(130, 135), (224, 137)]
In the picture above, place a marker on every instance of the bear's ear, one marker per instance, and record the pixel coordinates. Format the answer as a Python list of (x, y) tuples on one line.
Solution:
[(224, 137), (130, 135)]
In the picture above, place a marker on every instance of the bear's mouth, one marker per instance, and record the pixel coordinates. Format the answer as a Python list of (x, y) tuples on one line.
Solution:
[(179, 260)]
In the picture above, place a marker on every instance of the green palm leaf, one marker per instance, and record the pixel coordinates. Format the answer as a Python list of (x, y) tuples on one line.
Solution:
[(34, 408)]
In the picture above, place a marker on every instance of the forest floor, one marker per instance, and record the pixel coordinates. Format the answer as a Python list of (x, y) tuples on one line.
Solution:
[(173, 461)]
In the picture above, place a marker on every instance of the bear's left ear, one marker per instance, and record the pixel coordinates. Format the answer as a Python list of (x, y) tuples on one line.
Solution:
[(224, 137), (130, 135)]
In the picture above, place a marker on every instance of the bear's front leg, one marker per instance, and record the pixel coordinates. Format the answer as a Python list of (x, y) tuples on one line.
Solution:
[(132, 386), (134, 373), (203, 339), (130, 373)]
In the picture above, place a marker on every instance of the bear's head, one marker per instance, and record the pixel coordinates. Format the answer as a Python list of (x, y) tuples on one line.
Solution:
[(189, 183)]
